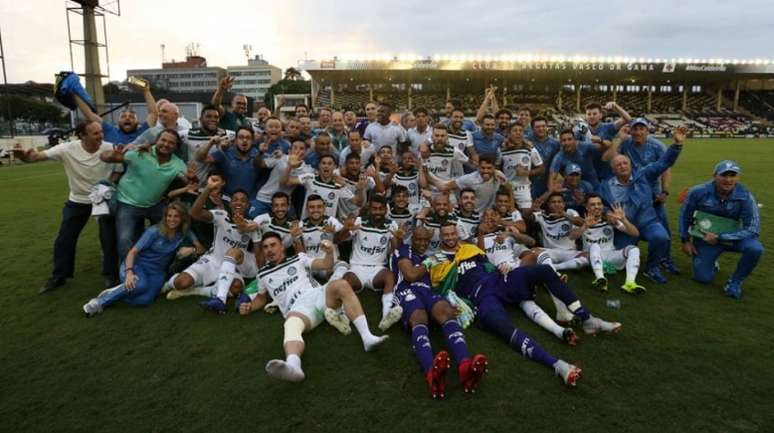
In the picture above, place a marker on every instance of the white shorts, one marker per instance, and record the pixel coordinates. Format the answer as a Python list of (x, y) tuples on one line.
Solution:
[(311, 303), (558, 255), (366, 274), (206, 270), (616, 258), (522, 195)]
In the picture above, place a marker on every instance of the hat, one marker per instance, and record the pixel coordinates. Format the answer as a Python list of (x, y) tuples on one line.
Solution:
[(572, 169), (727, 165), (639, 121)]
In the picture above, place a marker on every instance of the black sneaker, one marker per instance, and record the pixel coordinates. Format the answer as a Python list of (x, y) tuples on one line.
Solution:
[(51, 284)]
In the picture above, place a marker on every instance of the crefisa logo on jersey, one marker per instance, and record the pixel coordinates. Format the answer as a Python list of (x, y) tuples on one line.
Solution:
[(292, 271)]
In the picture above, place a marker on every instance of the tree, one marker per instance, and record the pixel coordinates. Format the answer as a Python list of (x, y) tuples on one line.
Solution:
[(293, 74), (31, 109)]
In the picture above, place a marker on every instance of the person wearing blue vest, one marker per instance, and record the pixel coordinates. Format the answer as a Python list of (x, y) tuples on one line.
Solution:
[(633, 189), (724, 197)]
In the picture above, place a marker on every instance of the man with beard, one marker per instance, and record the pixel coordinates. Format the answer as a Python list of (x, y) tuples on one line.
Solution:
[(547, 147), (239, 161), (197, 137)]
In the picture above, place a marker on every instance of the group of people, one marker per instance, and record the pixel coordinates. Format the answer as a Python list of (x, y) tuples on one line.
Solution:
[(449, 219)]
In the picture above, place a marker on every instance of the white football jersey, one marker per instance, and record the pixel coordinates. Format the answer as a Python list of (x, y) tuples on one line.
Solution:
[(371, 244), (411, 182), (556, 231), (434, 225), (602, 234), (314, 235), (500, 252), (330, 192), (285, 281), (440, 163), (511, 217), (268, 224), (469, 225), (227, 236), (526, 158)]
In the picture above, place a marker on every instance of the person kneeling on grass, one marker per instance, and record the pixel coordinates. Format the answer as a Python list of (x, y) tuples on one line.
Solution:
[(145, 266), (303, 302)]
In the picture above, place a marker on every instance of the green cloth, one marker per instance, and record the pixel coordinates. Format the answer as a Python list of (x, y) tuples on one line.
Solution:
[(707, 222), (145, 181), (231, 121)]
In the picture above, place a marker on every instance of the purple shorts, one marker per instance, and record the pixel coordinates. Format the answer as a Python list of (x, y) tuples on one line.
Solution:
[(417, 296)]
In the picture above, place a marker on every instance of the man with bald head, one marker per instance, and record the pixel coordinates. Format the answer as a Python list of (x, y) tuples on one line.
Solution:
[(169, 114), (633, 189)]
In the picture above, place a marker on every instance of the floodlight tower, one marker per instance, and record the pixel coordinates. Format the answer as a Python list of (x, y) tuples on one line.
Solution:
[(90, 10), (5, 90)]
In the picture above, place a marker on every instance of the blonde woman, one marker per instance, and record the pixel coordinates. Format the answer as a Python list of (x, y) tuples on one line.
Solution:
[(144, 269)]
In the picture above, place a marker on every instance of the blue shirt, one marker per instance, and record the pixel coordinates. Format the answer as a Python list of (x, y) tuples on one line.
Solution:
[(606, 131), (487, 145), (547, 150), (240, 173), (637, 196), (280, 144), (156, 251), (312, 158), (740, 205), (116, 136), (643, 154), (582, 156), (569, 197)]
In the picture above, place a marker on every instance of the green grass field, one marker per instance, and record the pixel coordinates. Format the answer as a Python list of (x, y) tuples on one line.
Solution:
[(688, 359)]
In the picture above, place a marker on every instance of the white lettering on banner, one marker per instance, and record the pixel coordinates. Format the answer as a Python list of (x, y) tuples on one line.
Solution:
[(705, 68)]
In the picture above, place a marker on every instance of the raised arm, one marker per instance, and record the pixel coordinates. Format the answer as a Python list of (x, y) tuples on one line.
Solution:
[(652, 171), (287, 181), (28, 155), (625, 116), (324, 263), (86, 110), (150, 104), (198, 212), (612, 150), (113, 156), (217, 97)]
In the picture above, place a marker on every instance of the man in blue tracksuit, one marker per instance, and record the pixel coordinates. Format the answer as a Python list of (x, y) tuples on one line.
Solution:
[(726, 198), (642, 149), (634, 190)]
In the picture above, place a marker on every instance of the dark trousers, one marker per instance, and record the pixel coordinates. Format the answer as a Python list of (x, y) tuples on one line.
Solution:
[(74, 219)]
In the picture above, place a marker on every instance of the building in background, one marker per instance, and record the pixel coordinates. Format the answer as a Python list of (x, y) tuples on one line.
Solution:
[(254, 79), (191, 75)]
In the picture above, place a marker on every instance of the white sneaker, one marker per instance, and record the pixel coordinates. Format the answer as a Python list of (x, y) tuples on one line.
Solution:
[(595, 325), (391, 318), (177, 294), (338, 321), (279, 369), (568, 372), (372, 344), (92, 308)]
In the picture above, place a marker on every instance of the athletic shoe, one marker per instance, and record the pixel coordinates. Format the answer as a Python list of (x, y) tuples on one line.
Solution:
[(241, 299), (655, 275), (595, 325), (51, 284), (568, 372), (436, 377), (733, 289), (177, 294), (92, 308), (669, 266), (213, 304), (569, 337), (472, 370), (564, 317), (633, 288), (338, 321), (279, 369), (391, 317), (600, 284)]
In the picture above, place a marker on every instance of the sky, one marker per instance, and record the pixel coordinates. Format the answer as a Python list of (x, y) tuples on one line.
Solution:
[(36, 45)]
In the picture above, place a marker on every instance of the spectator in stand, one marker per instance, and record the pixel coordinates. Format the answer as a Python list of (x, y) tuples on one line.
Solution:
[(723, 197), (547, 147), (421, 132), (128, 127), (383, 132), (370, 110), (239, 161), (231, 120), (150, 170), (338, 132), (84, 169), (633, 190)]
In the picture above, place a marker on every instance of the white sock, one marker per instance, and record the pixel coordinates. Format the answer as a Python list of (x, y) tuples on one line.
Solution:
[(562, 312), (544, 259), (575, 263), (294, 361), (595, 254), (537, 315), (386, 303), (362, 328), (171, 281), (208, 291), (225, 278), (632, 264)]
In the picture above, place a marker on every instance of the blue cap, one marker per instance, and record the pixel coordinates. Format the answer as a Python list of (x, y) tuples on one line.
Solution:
[(639, 121), (572, 169), (727, 165)]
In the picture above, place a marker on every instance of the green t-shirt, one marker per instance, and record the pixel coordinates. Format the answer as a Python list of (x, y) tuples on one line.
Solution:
[(231, 121), (145, 180)]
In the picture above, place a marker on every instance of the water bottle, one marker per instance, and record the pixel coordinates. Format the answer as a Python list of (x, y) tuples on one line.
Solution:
[(613, 304)]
